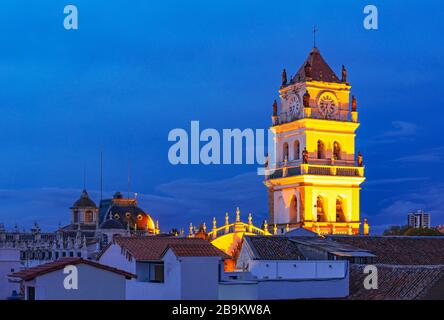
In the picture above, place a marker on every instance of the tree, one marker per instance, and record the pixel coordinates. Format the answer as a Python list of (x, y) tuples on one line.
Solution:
[(395, 231), (412, 232), (422, 232)]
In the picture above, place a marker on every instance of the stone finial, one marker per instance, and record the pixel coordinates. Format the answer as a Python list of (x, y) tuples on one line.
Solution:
[(237, 214), (306, 99), (344, 74), (191, 229), (354, 104), (265, 226), (275, 229), (284, 78), (305, 156), (359, 160), (214, 223), (250, 219), (275, 108), (226, 218), (366, 230)]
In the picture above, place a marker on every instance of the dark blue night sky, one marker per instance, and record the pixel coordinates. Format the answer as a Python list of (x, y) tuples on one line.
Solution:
[(137, 69)]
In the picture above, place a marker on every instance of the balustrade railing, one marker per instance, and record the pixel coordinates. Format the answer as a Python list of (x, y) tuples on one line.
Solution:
[(313, 169)]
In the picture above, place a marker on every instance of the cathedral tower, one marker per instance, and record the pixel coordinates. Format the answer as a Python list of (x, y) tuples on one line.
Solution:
[(314, 180)]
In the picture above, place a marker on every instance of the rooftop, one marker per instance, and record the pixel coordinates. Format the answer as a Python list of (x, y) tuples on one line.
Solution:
[(204, 249), (320, 70), (334, 247), (84, 201), (31, 273), (152, 248), (273, 248), (399, 250), (398, 283)]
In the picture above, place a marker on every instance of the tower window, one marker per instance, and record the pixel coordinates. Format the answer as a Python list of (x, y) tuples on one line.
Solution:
[(297, 150), (294, 210), (339, 210), (76, 216), (337, 151), (88, 216), (285, 154), (321, 149), (320, 210)]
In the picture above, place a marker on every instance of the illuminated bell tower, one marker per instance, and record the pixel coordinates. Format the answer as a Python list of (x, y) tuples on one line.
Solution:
[(314, 180)]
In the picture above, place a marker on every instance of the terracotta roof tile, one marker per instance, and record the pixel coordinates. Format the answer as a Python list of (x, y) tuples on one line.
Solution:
[(321, 71), (31, 273), (273, 248), (395, 282), (152, 248), (204, 249), (400, 250)]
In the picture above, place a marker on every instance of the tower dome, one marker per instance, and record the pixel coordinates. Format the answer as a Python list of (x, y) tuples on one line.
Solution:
[(84, 201)]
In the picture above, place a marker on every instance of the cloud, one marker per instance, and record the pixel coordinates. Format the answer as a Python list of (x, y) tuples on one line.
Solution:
[(394, 181), (428, 155), (428, 198), (400, 130)]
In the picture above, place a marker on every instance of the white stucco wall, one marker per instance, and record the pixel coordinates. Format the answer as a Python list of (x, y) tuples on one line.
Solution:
[(93, 284), (200, 278), (298, 269), (170, 289), (9, 263), (238, 291), (285, 289), (113, 257)]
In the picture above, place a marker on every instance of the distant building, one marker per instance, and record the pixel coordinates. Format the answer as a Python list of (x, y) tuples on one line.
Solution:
[(418, 219), (90, 229)]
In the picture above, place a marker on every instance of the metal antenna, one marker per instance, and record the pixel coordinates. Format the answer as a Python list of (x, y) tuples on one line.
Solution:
[(84, 177), (129, 178), (101, 174), (314, 36)]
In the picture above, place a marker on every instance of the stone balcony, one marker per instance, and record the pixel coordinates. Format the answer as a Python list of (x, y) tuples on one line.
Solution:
[(312, 113), (284, 171)]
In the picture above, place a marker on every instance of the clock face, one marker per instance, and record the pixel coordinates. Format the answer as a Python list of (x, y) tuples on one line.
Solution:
[(328, 105), (294, 105)]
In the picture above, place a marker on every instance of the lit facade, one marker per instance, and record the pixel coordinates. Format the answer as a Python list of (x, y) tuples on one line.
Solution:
[(314, 179)]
